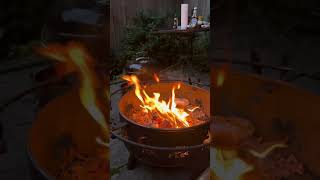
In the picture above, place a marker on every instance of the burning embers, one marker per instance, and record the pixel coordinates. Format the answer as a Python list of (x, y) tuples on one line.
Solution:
[(155, 111), (81, 166)]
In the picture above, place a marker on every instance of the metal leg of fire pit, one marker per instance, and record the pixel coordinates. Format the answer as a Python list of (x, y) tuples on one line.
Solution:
[(132, 161), (34, 173), (196, 173), (198, 169)]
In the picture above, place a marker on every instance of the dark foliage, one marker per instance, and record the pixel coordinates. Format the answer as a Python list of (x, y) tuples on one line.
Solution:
[(20, 23), (166, 49)]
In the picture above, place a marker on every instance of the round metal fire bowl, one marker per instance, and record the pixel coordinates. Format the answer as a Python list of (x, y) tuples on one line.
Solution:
[(62, 123), (179, 156), (162, 136)]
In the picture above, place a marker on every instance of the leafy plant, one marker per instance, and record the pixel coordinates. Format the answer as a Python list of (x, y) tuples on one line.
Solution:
[(141, 41), (200, 51), (165, 48)]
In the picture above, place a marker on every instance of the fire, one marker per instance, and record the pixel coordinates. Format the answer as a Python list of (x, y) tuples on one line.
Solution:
[(220, 78), (193, 109), (227, 166), (266, 152), (155, 76), (77, 58), (179, 86), (168, 110)]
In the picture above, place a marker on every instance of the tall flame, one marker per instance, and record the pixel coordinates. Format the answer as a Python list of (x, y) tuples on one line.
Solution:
[(168, 110), (77, 58)]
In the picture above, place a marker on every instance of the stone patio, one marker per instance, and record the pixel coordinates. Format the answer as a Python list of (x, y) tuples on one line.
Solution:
[(16, 119)]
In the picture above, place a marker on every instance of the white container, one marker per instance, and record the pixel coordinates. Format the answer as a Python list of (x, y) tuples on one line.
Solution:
[(184, 16)]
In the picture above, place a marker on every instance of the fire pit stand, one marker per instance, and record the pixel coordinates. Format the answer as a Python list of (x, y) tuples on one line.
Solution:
[(165, 148), (180, 156), (195, 158)]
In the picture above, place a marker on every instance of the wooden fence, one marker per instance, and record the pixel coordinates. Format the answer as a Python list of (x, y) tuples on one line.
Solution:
[(121, 12), (202, 5)]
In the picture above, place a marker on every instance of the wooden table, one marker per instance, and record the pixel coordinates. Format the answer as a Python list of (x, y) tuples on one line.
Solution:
[(182, 32)]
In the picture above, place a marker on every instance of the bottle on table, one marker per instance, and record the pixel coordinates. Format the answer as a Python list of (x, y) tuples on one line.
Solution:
[(175, 22), (194, 19), (200, 20)]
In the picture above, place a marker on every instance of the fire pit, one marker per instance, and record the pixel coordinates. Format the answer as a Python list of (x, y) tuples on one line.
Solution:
[(69, 139), (171, 146), (58, 145)]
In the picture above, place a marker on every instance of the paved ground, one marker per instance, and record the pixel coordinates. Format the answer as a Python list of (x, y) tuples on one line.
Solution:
[(17, 120)]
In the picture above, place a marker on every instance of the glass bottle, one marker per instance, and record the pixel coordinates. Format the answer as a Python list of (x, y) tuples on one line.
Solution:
[(194, 20), (175, 22)]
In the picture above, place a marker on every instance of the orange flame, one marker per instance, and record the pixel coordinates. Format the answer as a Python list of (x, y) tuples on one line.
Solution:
[(193, 109), (220, 78), (168, 110), (155, 76), (78, 59), (179, 86)]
